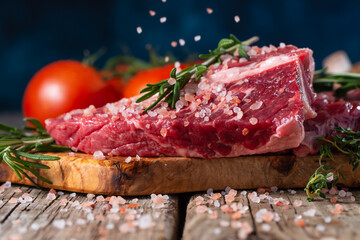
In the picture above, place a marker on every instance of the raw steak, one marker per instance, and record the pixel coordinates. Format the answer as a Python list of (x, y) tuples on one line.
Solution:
[(239, 107), (331, 113)]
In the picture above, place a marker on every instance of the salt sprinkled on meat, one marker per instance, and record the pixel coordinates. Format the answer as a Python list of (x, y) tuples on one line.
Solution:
[(88, 112), (98, 155), (253, 121), (197, 38), (237, 19), (152, 13), (139, 30), (282, 45), (163, 19)]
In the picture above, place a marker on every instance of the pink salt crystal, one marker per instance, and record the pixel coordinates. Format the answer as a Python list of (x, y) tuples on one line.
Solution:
[(209, 10), (71, 154), (98, 155), (338, 209), (352, 198), (163, 132), (139, 30), (201, 209), (310, 213), (229, 199), (268, 216), (158, 199), (287, 207), (342, 193), (255, 199), (333, 199), (18, 190), (300, 222), (50, 196), (236, 215), (17, 221), (333, 191), (297, 203), (197, 38), (173, 43), (90, 196), (152, 13), (163, 19), (137, 157), (63, 202), (167, 58), (324, 190), (60, 224), (227, 209), (121, 200), (215, 196), (72, 195), (100, 198), (213, 215), (198, 200), (128, 159), (181, 42), (52, 191), (237, 19)]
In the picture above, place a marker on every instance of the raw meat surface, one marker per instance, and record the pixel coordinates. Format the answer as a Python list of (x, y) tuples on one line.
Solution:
[(239, 107), (331, 113)]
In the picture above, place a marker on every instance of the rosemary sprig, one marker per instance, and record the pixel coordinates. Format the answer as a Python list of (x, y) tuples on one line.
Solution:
[(324, 82), (171, 92), (345, 141), (17, 146)]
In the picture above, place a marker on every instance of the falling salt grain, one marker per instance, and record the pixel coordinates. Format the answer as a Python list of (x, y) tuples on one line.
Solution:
[(163, 19), (152, 13), (173, 43), (181, 42), (128, 159), (209, 10), (167, 58), (139, 30), (197, 38), (98, 155), (282, 45), (237, 19)]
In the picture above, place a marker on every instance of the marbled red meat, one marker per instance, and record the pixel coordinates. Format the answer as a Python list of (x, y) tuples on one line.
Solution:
[(239, 107)]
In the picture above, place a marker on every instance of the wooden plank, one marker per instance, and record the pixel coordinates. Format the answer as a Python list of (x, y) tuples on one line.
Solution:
[(82, 173), (280, 221), (65, 217)]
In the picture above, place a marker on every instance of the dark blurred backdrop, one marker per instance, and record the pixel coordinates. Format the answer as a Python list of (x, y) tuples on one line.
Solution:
[(34, 33)]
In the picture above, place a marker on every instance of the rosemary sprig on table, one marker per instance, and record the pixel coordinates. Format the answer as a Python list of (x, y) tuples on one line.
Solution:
[(324, 81), (170, 91), (17, 146), (347, 142)]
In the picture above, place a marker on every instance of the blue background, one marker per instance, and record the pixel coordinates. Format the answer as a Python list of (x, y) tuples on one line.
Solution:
[(34, 33)]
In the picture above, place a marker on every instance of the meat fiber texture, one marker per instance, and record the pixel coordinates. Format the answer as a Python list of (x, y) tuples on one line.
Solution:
[(239, 107), (331, 113)]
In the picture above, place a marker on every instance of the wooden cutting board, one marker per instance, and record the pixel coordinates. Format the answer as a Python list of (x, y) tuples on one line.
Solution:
[(113, 176)]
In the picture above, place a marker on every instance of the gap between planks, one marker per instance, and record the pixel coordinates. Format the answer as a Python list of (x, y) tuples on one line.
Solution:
[(343, 226), (21, 220)]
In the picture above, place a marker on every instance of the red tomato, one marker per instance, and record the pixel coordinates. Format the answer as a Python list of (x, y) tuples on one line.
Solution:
[(151, 76), (63, 86)]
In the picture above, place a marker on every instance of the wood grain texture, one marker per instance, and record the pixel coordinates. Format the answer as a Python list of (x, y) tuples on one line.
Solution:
[(342, 226), (36, 220), (83, 173)]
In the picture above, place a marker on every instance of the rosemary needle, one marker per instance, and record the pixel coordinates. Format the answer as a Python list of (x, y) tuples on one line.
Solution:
[(18, 148)]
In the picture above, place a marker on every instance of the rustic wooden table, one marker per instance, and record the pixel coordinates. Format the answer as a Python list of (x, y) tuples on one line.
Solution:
[(31, 213)]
